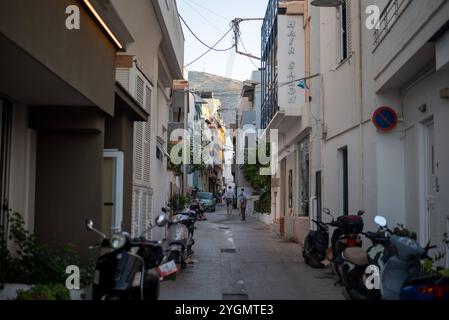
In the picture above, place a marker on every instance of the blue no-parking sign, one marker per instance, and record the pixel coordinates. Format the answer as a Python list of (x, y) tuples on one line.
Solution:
[(385, 119)]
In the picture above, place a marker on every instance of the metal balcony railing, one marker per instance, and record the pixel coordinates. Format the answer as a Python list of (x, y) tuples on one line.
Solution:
[(388, 19)]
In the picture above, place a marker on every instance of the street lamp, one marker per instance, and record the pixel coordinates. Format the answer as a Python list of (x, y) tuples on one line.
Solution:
[(327, 3)]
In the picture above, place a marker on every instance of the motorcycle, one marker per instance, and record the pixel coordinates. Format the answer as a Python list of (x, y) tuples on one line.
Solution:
[(398, 261), (347, 234), (356, 262), (180, 237), (316, 244), (127, 269)]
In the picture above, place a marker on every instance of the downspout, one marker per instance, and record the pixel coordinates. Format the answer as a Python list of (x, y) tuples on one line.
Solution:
[(362, 152)]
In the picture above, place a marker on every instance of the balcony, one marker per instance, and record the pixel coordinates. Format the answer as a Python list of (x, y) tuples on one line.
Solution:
[(388, 19), (403, 45)]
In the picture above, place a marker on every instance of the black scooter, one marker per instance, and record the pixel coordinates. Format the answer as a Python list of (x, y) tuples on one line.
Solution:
[(347, 234), (127, 271)]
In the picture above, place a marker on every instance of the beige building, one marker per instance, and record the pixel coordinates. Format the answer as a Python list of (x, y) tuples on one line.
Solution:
[(151, 65), (286, 108), (67, 126)]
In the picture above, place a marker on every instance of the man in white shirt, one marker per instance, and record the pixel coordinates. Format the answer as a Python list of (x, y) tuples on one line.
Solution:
[(229, 195)]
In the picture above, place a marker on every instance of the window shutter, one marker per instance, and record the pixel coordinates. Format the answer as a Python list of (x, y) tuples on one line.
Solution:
[(122, 76), (349, 26), (138, 148), (139, 91), (148, 99), (147, 153)]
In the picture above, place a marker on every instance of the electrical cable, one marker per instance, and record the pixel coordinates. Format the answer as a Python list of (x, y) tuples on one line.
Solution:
[(201, 41), (246, 51), (203, 17), (207, 9), (210, 49)]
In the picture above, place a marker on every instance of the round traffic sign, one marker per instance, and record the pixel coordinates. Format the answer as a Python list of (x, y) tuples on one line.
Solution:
[(385, 119)]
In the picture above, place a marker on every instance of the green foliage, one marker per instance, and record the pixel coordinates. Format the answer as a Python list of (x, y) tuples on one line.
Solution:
[(32, 263), (401, 231), (175, 168), (179, 202), (260, 183), (43, 292)]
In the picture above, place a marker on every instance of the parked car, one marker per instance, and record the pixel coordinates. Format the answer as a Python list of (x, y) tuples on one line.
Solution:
[(208, 200)]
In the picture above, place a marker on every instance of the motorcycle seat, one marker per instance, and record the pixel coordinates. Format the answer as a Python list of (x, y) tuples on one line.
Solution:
[(356, 256)]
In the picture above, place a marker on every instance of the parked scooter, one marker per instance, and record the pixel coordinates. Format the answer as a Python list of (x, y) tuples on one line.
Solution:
[(127, 271), (316, 244), (347, 234), (398, 259), (180, 238), (353, 270)]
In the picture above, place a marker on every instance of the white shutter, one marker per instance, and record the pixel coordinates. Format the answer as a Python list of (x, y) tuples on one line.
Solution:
[(138, 150), (122, 76), (148, 99), (139, 91)]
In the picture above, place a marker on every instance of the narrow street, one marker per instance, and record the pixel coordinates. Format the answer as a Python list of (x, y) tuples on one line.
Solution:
[(237, 260)]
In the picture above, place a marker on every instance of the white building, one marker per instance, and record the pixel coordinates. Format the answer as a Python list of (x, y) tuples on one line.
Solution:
[(158, 55), (403, 65)]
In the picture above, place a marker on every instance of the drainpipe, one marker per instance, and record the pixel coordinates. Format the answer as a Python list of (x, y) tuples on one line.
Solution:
[(362, 152)]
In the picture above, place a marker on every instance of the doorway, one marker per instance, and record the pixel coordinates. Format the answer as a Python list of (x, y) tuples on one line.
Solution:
[(5, 147), (318, 195), (113, 175), (429, 214)]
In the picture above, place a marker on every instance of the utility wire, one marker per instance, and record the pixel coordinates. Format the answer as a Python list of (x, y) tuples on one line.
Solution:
[(210, 49), (207, 9), (246, 51), (204, 18), (201, 41)]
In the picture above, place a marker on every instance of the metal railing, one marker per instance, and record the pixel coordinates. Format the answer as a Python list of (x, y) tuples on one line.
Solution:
[(388, 19)]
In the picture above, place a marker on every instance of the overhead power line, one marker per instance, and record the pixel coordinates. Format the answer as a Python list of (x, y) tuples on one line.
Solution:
[(203, 17), (210, 49), (201, 41), (208, 9)]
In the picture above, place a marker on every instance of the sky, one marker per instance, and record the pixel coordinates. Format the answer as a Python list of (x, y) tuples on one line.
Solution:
[(210, 20)]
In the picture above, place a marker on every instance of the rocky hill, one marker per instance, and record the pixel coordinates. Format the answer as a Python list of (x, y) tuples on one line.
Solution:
[(225, 89)]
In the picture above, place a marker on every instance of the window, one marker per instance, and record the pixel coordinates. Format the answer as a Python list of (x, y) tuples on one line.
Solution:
[(344, 16), (159, 154), (304, 177), (344, 180)]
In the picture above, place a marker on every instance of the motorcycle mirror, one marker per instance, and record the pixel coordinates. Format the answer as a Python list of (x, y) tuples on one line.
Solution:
[(89, 225), (327, 211), (162, 220), (381, 221), (361, 213)]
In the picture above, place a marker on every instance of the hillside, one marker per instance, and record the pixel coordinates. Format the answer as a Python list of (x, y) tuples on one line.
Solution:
[(202, 81)]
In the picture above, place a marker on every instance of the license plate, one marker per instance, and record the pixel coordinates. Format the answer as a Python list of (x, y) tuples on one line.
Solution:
[(167, 269)]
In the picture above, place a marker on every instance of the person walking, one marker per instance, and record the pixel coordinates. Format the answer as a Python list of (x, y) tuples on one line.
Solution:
[(243, 200), (229, 195)]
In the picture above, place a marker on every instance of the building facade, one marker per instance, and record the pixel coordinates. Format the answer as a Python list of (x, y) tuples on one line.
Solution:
[(61, 111), (154, 64), (286, 108)]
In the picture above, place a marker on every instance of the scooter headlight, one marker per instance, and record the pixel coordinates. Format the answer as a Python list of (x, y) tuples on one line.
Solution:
[(118, 241)]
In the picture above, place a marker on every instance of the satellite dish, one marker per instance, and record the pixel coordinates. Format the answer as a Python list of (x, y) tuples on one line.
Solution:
[(327, 3)]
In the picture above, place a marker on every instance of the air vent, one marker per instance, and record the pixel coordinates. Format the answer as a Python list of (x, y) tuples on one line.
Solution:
[(227, 250)]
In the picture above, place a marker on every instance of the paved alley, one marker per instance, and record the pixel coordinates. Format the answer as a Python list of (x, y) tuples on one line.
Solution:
[(237, 260)]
